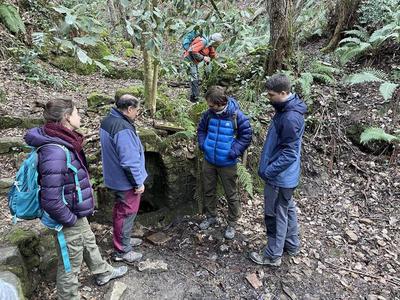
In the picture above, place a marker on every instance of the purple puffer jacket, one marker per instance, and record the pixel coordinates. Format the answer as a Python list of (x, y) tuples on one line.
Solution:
[(54, 176)]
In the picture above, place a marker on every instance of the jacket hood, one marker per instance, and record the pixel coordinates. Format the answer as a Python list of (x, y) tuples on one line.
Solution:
[(294, 103), (36, 137)]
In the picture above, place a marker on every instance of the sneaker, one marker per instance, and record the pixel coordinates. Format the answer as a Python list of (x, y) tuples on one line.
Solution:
[(230, 232), (129, 257), (291, 252), (116, 273), (207, 223), (265, 261), (136, 242)]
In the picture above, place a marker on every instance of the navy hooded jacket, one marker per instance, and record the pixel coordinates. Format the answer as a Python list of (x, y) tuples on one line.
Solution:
[(219, 140), (122, 153), (280, 158)]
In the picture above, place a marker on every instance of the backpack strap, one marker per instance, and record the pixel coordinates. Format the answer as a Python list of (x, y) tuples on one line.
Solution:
[(64, 251)]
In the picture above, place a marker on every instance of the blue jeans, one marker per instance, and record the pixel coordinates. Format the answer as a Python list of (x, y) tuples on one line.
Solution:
[(280, 221)]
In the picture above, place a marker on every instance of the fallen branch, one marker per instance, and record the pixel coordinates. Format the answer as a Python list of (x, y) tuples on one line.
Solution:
[(192, 262)]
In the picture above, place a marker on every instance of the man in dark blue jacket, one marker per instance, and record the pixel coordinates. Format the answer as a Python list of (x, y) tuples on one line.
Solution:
[(224, 133), (280, 169), (124, 173)]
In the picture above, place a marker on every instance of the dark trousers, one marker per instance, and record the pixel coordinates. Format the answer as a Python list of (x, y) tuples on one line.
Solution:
[(126, 206), (280, 220), (228, 177)]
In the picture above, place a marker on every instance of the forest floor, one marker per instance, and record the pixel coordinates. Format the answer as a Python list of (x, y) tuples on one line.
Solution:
[(348, 205)]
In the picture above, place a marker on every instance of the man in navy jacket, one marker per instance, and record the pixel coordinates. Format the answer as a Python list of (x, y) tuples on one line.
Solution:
[(224, 133), (124, 173), (280, 169)]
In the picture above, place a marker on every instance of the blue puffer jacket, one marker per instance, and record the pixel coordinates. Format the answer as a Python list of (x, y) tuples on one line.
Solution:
[(280, 158), (217, 137), (57, 180)]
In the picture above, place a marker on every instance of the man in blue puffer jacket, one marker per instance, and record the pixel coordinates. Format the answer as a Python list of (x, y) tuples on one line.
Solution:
[(224, 133), (280, 169)]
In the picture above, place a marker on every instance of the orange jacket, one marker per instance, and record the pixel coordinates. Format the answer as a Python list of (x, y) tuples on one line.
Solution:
[(199, 46)]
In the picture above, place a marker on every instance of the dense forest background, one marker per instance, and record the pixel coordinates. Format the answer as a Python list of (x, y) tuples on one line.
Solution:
[(343, 58)]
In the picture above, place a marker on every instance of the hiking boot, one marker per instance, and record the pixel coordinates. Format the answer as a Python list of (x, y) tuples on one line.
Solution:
[(207, 223), (136, 242), (265, 261), (193, 99), (129, 257), (292, 252), (116, 273), (230, 232)]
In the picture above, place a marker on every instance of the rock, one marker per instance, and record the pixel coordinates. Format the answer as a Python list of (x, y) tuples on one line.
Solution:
[(224, 248), (12, 261), (116, 291), (12, 121), (5, 184), (96, 99), (7, 144), (352, 237), (124, 73), (156, 265), (134, 90), (158, 238), (254, 281), (10, 286)]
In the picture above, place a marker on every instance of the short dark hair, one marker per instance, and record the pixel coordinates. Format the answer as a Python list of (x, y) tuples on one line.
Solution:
[(278, 83), (216, 95), (126, 101), (56, 109)]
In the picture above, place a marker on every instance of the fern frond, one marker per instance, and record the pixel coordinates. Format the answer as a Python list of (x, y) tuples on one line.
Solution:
[(350, 52), (305, 81), (378, 73), (245, 179), (324, 78), (377, 134), (387, 90), (360, 33), (350, 40), (321, 68), (361, 78)]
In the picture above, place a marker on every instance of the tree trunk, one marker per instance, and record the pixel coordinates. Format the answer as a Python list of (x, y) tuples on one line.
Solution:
[(112, 12), (344, 19), (281, 18), (154, 87), (148, 71)]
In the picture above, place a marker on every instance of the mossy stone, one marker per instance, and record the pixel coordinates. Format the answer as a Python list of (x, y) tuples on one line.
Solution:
[(124, 73), (134, 90), (71, 64), (99, 51), (96, 99)]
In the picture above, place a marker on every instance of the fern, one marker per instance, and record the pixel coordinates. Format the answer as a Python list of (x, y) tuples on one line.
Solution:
[(361, 33), (377, 134), (10, 17), (387, 90), (245, 179), (305, 81)]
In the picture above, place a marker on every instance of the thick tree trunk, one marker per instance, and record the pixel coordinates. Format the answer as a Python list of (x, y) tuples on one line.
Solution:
[(344, 18), (281, 18)]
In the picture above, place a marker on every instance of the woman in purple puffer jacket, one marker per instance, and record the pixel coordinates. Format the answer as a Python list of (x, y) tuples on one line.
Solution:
[(59, 195)]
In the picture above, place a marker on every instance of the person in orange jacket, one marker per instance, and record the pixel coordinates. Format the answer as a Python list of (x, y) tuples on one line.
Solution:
[(200, 49)]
